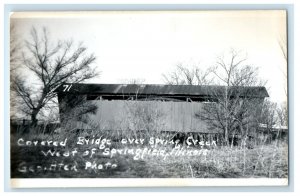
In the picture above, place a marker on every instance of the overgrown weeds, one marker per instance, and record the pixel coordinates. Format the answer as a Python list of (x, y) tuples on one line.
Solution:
[(265, 160)]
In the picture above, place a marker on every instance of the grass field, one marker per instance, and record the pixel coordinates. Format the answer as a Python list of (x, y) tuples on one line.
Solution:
[(269, 161)]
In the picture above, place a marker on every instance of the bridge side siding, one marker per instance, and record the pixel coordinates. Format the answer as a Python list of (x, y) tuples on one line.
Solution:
[(167, 116)]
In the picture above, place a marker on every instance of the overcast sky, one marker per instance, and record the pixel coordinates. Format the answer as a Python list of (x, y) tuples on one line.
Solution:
[(147, 44)]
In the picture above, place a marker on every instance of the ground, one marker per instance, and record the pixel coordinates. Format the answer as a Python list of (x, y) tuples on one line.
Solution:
[(265, 160)]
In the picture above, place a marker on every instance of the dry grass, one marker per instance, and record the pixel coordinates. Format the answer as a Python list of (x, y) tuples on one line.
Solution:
[(269, 161)]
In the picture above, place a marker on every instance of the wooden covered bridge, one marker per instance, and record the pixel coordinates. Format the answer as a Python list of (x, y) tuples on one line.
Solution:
[(150, 108)]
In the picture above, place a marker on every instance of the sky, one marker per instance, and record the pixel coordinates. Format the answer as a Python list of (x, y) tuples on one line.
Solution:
[(147, 44)]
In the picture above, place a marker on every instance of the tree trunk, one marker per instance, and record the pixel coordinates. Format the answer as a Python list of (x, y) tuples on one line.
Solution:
[(34, 120), (226, 115), (226, 137), (232, 140)]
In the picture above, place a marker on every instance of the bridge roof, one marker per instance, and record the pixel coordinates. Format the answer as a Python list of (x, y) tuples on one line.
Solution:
[(160, 90)]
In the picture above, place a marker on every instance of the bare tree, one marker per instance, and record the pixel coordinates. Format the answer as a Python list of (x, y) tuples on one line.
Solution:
[(190, 76), (15, 47), (14, 64), (75, 112), (282, 114), (53, 63), (282, 110), (283, 47), (233, 70), (268, 116), (234, 106), (282, 42)]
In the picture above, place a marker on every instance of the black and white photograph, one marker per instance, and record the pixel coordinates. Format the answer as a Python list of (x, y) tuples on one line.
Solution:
[(165, 95)]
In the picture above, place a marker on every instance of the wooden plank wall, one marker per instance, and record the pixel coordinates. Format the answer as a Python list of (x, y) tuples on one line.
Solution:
[(156, 115)]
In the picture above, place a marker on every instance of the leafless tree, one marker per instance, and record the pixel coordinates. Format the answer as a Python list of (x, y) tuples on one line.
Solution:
[(15, 47), (14, 64), (182, 75), (232, 70), (268, 117), (233, 108), (75, 112), (268, 114), (283, 47), (52, 63), (282, 110), (282, 42), (282, 114)]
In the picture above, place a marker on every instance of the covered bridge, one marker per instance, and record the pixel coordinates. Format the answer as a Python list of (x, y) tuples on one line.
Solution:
[(150, 107)]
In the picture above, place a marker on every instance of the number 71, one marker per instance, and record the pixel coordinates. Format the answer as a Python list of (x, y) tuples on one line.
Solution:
[(67, 87)]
